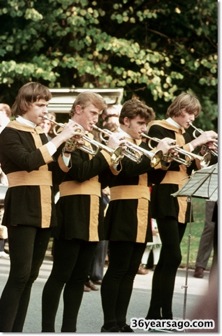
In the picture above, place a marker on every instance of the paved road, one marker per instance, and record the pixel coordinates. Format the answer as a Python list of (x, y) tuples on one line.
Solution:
[(90, 315)]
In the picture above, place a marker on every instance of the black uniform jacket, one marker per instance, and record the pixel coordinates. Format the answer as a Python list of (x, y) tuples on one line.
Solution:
[(162, 203), (28, 165), (80, 210), (127, 217)]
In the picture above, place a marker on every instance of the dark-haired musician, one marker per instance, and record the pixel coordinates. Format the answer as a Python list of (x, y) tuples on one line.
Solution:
[(127, 221)]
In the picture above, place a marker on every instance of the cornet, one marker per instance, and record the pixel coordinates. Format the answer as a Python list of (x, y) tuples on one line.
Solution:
[(131, 150), (104, 135), (57, 128), (72, 144), (204, 160), (200, 131)]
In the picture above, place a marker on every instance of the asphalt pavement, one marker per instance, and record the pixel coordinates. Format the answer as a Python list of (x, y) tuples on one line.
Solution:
[(187, 294)]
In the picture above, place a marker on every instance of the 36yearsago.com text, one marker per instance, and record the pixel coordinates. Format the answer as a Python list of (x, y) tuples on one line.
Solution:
[(143, 324)]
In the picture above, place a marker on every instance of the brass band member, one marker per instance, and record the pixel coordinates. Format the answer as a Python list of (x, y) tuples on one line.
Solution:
[(127, 221), (80, 219), (170, 212), (28, 160)]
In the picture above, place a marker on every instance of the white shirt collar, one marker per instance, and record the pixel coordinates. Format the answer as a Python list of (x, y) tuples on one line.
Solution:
[(26, 122), (126, 135), (173, 123)]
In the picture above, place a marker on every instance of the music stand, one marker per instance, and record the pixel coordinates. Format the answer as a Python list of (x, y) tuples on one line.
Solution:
[(202, 183)]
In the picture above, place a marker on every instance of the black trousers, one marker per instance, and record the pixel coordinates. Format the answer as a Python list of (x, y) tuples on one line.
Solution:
[(171, 233), (117, 285), (72, 261), (27, 247)]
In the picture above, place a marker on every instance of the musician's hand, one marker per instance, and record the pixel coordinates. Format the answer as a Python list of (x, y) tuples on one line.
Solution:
[(115, 140), (68, 131), (208, 137), (71, 129), (212, 145), (166, 145)]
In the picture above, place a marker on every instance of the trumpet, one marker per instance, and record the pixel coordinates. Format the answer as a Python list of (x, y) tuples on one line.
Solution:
[(70, 144), (104, 135), (135, 153), (115, 154), (131, 150), (57, 128), (204, 160), (73, 143), (200, 131)]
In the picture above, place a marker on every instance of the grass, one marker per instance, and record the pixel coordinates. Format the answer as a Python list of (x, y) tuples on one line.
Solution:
[(194, 231)]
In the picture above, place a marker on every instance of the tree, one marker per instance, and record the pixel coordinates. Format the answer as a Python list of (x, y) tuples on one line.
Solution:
[(153, 49)]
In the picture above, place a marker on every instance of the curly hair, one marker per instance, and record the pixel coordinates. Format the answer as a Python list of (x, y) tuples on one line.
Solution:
[(133, 108)]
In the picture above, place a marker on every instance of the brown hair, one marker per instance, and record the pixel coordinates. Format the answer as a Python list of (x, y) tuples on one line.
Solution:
[(184, 102), (28, 94), (85, 98), (133, 108)]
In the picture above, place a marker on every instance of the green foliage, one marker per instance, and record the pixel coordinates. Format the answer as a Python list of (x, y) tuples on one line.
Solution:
[(154, 49)]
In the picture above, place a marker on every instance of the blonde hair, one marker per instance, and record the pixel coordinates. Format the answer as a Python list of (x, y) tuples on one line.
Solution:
[(85, 98)]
